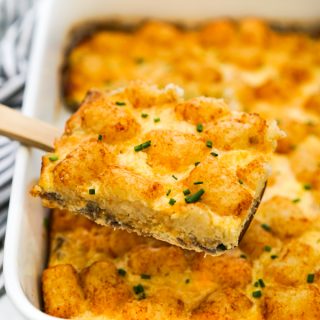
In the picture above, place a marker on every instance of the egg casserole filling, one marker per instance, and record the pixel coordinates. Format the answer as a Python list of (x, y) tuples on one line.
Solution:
[(96, 272), (189, 172)]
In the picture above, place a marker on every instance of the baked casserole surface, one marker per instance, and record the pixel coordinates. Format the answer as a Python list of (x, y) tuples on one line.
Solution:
[(189, 172), (96, 272)]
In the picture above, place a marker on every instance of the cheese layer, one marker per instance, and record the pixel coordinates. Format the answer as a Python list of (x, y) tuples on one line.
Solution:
[(189, 172), (256, 69)]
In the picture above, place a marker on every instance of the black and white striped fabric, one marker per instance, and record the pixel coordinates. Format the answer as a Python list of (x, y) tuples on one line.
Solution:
[(16, 24)]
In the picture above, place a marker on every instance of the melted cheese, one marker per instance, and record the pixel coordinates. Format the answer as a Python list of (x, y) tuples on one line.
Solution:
[(278, 77), (130, 186)]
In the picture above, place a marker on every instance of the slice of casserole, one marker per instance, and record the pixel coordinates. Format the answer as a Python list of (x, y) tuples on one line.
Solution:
[(191, 173)]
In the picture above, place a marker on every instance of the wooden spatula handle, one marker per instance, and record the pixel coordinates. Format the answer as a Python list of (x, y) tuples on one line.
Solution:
[(29, 131)]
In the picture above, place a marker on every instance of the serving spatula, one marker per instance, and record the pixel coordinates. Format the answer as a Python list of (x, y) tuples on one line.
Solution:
[(29, 131)]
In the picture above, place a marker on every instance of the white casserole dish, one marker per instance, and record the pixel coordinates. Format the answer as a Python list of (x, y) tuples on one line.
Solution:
[(26, 243)]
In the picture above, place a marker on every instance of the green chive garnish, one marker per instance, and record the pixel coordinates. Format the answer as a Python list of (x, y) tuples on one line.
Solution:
[(209, 144), (221, 247), (172, 202), (240, 181), (274, 256), (145, 276), (138, 289), (261, 283), (267, 248), (168, 192), (214, 154), (100, 137), (142, 146), (257, 294), (122, 272), (197, 163), (187, 281), (199, 127), (266, 227), (139, 60), (296, 200), (243, 256), (120, 103), (144, 115), (307, 186), (310, 277), (156, 119), (186, 192), (54, 157), (194, 197), (256, 284), (92, 191), (174, 177), (198, 182), (293, 147)]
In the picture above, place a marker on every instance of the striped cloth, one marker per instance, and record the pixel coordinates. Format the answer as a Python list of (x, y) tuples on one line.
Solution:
[(16, 24)]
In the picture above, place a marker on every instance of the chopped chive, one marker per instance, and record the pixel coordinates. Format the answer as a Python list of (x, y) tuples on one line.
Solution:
[(194, 197), (197, 163), (92, 191), (257, 294), (144, 115), (100, 137), (256, 284), (145, 276), (156, 119), (243, 256), (261, 283), (187, 281), (240, 181), (214, 154), (221, 247), (307, 186), (139, 60), (267, 248), (120, 103), (142, 146), (168, 192), (198, 182), (174, 177), (54, 157), (310, 277), (274, 256), (209, 144), (172, 202), (293, 147), (186, 192), (199, 127), (296, 200), (266, 227), (138, 289), (122, 272)]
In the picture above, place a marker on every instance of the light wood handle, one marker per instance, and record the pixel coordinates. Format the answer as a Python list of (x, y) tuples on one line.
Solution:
[(29, 131)]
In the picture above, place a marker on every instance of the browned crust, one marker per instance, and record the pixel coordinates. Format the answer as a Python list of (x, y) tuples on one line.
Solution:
[(81, 32)]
